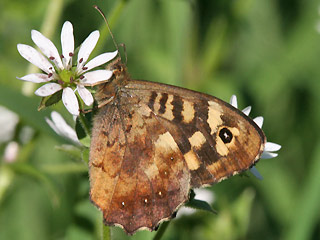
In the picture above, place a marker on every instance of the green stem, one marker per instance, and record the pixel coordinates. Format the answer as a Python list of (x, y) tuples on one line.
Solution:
[(106, 233), (27, 169), (161, 230), (65, 168), (6, 179), (306, 215), (85, 124)]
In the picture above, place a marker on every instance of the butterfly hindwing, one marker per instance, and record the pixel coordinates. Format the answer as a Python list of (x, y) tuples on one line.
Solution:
[(150, 178)]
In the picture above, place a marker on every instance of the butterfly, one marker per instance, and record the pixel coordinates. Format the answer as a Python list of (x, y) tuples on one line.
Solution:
[(152, 143)]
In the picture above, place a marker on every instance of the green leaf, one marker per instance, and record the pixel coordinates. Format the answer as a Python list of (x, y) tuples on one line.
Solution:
[(85, 155), (71, 150), (200, 205), (50, 100), (85, 141), (83, 128)]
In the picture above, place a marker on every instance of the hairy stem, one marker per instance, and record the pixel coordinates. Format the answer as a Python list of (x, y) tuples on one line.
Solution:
[(161, 230)]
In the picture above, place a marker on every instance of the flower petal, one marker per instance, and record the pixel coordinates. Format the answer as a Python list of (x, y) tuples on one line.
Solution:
[(204, 195), (8, 121), (96, 77), (247, 110), (47, 47), (256, 173), (267, 155), (48, 89), (271, 147), (258, 121), (11, 152), (233, 101), (36, 78), (85, 94), (36, 58), (70, 101), (59, 125), (86, 48), (67, 43), (52, 125), (200, 194), (99, 60)]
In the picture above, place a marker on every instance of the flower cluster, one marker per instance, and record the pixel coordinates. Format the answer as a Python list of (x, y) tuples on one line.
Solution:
[(59, 71)]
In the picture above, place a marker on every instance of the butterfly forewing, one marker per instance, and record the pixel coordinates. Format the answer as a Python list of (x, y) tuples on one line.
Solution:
[(216, 139), (153, 142)]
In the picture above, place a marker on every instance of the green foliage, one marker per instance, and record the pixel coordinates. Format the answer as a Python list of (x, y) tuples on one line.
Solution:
[(200, 205), (50, 100), (83, 129), (266, 52)]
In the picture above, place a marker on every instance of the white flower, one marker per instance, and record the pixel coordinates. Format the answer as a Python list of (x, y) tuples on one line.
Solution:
[(8, 123), (269, 147), (200, 194), (60, 72), (59, 125), (11, 152)]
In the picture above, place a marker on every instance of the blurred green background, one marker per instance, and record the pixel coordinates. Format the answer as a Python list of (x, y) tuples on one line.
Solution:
[(265, 51)]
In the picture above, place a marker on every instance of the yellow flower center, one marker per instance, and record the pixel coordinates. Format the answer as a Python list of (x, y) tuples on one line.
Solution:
[(66, 75)]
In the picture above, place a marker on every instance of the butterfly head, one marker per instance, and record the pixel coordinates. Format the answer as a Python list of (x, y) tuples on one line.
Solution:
[(117, 67), (107, 91)]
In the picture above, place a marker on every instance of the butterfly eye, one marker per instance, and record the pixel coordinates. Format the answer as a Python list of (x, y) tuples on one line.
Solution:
[(225, 135)]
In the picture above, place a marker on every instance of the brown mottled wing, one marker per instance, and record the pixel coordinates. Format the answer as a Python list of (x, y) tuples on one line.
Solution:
[(138, 174), (216, 139), (154, 142)]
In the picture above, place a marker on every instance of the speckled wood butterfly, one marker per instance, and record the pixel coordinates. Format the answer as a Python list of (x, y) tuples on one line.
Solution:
[(151, 143)]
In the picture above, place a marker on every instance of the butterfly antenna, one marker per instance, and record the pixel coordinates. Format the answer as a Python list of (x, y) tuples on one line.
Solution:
[(106, 21), (124, 50)]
